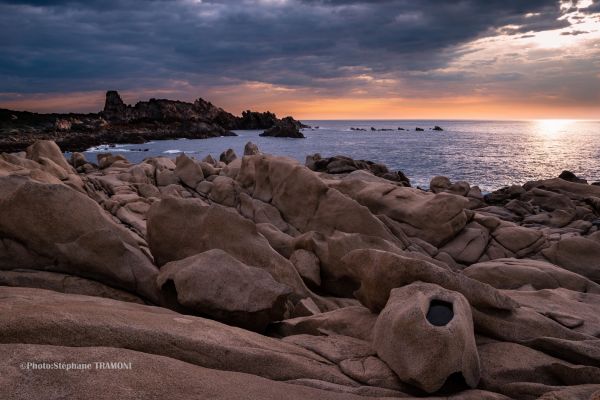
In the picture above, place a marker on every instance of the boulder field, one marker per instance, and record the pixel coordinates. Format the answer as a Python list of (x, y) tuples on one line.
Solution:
[(257, 277)]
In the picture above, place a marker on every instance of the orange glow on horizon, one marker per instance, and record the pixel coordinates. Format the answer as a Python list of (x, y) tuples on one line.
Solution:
[(304, 107), (448, 108)]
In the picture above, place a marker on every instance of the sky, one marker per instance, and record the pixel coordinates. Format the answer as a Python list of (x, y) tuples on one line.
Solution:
[(313, 59)]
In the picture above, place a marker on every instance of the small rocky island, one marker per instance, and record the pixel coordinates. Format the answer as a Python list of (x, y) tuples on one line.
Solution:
[(155, 119), (287, 127), (260, 277)]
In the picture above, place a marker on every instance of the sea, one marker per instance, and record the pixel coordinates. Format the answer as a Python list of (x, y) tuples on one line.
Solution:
[(489, 154)]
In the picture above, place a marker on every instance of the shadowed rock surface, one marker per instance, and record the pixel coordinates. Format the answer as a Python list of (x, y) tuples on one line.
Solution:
[(259, 277)]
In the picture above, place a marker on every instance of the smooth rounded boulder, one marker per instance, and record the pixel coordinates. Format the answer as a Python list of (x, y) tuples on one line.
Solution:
[(304, 200), (376, 273), (179, 228), (425, 334), (54, 227), (188, 171), (577, 254), (49, 150), (435, 218), (216, 284)]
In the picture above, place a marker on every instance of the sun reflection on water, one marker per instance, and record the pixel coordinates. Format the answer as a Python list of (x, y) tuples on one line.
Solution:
[(551, 127)]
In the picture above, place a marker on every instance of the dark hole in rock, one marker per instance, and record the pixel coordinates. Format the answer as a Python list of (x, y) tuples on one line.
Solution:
[(170, 293), (440, 312), (454, 383), (170, 297)]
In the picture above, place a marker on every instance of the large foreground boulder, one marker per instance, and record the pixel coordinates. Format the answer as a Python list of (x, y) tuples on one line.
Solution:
[(53, 227), (214, 283), (180, 228), (425, 334)]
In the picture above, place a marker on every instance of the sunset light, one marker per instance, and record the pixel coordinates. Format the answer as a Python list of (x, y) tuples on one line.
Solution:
[(553, 126), (329, 60), (300, 199)]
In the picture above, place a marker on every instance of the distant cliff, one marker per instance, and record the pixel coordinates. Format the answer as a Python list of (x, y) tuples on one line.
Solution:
[(121, 123)]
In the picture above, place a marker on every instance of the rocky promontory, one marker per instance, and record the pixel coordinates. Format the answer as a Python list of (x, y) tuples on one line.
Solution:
[(155, 119), (259, 277)]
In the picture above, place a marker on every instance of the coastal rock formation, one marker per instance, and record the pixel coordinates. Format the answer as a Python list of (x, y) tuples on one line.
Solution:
[(216, 284), (519, 274), (163, 377), (287, 127), (425, 334), (343, 165), (258, 272), (121, 123)]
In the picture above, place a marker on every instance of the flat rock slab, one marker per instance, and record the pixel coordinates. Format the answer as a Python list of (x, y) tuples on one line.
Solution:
[(150, 377), (28, 315)]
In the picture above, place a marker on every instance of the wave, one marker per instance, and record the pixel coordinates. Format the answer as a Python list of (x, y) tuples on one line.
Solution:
[(176, 151), (108, 148)]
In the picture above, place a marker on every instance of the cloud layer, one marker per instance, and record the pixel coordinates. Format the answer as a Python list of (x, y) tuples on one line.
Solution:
[(290, 50)]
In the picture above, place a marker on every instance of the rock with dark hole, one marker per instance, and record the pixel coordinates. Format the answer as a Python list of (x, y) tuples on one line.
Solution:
[(425, 335), (440, 312)]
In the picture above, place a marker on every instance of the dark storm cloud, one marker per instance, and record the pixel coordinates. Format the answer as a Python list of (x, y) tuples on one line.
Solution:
[(92, 45)]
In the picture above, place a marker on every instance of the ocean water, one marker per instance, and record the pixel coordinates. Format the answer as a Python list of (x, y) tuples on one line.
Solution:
[(490, 154)]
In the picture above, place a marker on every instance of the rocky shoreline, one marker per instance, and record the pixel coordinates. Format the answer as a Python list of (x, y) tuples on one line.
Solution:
[(260, 277), (156, 119)]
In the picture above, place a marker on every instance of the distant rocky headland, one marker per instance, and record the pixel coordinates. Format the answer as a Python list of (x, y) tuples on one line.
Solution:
[(147, 120)]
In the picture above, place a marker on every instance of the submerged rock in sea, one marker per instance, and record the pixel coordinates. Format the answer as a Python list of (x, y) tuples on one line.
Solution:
[(358, 284)]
